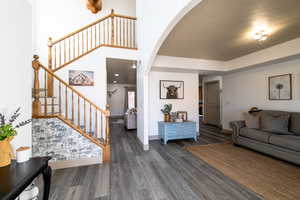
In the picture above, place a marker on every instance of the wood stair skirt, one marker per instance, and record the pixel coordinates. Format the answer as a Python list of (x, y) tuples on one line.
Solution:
[(70, 106)]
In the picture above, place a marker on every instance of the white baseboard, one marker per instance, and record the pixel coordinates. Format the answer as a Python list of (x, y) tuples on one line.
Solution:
[(157, 137), (145, 147), (75, 163), (154, 137)]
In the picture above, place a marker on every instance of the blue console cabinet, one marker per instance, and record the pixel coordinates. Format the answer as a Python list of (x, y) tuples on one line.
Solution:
[(177, 130)]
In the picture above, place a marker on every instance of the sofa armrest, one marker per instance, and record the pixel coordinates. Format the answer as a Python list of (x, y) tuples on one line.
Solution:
[(236, 127)]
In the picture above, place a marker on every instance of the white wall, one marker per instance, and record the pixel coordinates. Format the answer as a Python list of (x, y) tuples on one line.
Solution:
[(156, 19), (189, 103), (117, 100), (242, 90), (56, 18), (96, 62), (15, 70)]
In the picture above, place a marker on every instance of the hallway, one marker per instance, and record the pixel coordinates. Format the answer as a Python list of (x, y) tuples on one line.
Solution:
[(164, 172)]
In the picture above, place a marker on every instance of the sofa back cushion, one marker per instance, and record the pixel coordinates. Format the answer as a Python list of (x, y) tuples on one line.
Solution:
[(252, 120), (275, 122), (295, 123)]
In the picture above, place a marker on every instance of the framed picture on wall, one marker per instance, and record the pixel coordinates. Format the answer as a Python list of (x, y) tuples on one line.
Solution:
[(280, 87), (171, 89), (81, 78)]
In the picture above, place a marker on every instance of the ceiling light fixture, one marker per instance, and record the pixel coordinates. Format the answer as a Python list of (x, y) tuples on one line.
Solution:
[(117, 75), (260, 35), (134, 66), (114, 81), (260, 32)]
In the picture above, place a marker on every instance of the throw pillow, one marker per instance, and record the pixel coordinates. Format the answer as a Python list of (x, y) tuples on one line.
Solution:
[(295, 123), (276, 124), (251, 120)]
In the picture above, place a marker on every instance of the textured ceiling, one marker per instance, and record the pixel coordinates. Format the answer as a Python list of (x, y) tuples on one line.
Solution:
[(220, 29), (127, 75)]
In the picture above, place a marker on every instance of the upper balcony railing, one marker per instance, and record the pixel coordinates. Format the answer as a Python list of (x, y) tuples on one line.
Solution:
[(113, 30)]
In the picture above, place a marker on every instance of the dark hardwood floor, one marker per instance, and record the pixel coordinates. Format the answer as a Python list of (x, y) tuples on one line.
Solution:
[(164, 172)]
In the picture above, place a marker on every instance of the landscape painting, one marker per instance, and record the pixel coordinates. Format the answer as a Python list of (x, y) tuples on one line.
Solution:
[(81, 78)]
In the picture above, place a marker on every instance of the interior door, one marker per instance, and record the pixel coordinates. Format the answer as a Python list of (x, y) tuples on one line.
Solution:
[(212, 103)]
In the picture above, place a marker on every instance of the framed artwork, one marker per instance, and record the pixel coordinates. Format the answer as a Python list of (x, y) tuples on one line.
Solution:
[(81, 78), (182, 115), (171, 89), (280, 87)]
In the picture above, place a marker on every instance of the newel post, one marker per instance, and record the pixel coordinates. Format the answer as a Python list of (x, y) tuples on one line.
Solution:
[(36, 104), (112, 27), (106, 150), (50, 78)]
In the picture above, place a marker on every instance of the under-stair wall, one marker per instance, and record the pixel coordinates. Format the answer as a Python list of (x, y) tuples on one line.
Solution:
[(52, 137)]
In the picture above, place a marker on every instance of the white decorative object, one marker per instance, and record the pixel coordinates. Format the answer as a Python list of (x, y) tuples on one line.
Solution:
[(30, 193), (23, 154), (179, 120)]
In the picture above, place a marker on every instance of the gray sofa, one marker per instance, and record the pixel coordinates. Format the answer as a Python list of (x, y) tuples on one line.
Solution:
[(282, 146)]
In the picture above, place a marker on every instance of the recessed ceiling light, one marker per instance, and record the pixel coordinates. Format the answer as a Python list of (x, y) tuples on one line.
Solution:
[(114, 81), (117, 75), (134, 66)]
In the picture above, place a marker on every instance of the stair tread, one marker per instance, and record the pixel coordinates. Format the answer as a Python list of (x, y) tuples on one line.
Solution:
[(40, 89), (51, 113), (48, 97)]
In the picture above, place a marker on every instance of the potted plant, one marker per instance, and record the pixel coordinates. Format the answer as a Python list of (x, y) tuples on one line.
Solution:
[(7, 133), (166, 111)]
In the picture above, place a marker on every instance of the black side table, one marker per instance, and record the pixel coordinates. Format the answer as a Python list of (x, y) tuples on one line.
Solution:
[(15, 178)]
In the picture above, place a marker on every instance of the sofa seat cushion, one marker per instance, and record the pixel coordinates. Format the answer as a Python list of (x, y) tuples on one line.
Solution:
[(255, 134), (291, 142)]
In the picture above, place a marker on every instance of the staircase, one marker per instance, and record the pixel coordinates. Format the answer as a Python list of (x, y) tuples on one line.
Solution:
[(54, 98)]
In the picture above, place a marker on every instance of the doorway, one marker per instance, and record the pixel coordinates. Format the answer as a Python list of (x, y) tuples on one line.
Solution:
[(212, 103), (121, 92)]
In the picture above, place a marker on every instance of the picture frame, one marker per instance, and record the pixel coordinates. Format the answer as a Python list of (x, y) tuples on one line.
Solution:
[(182, 115), (81, 78), (170, 89), (280, 87)]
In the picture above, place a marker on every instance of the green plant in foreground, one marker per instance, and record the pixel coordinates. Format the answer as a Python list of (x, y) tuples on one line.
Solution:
[(7, 130), (167, 109)]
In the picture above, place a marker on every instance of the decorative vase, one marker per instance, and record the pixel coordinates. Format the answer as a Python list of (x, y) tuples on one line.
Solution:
[(167, 117), (6, 153)]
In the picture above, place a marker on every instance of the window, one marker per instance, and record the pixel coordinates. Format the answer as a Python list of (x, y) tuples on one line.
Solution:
[(131, 99)]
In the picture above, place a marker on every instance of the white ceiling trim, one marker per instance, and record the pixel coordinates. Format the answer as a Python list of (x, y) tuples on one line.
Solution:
[(274, 53), (277, 52), (189, 63)]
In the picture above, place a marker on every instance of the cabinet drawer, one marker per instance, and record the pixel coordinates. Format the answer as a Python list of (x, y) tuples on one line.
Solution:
[(172, 130)]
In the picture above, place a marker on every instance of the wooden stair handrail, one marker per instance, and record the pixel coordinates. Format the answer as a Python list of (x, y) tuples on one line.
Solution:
[(79, 30), (113, 30), (36, 61), (91, 24)]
